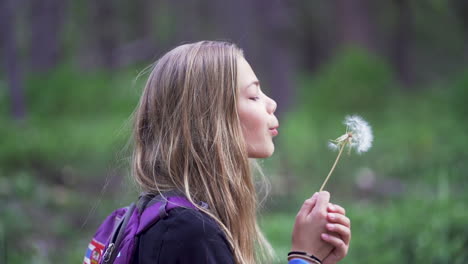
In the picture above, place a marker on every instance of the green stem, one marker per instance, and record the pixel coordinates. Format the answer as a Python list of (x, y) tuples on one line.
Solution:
[(334, 165)]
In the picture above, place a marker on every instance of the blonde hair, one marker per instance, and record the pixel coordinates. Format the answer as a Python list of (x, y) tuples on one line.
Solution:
[(188, 138)]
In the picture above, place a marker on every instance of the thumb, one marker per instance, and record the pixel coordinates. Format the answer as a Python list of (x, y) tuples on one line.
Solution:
[(308, 206), (323, 198)]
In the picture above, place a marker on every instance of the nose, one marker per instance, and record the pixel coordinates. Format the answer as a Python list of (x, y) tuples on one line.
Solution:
[(271, 106)]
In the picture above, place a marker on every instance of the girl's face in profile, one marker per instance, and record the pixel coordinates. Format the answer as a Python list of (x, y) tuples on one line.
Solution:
[(256, 113)]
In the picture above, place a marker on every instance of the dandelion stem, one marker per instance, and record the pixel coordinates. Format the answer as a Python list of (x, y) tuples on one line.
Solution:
[(334, 165)]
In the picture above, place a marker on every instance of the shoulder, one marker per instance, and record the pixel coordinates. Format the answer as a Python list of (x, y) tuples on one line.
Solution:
[(191, 224), (186, 235)]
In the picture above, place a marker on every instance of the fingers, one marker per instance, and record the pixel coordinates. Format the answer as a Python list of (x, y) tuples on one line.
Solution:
[(338, 233), (341, 248), (339, 219), (343, 231), (334, 208), (307, 206)]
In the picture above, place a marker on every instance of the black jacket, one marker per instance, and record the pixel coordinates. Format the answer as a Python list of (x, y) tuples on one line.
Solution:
[(184, 236)]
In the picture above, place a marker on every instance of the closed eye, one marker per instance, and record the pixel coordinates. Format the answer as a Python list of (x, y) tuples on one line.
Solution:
[(254, 98)]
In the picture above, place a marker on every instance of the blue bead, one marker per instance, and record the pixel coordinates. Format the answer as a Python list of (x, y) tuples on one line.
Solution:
[(298, 261)]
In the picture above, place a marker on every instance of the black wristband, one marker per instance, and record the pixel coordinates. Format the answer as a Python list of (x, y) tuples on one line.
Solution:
[(305, 254)]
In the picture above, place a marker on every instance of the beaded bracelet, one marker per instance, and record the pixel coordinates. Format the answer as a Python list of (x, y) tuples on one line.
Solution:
[(304, 255), (305, 259), (297, 261)]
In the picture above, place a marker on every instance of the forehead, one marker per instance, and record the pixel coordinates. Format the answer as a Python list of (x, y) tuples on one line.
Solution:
[(245, 74)]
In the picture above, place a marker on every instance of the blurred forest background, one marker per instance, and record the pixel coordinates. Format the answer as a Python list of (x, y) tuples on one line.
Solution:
[(68, 87)]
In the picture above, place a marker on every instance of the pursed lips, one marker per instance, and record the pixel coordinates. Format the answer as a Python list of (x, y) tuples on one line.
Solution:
[(274, 130)]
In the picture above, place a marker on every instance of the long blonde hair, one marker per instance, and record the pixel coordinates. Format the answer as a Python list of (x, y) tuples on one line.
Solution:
[(188, 138)]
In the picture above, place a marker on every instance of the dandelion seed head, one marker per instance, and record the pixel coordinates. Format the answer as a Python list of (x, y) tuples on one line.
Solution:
[(361, 133), (358, 136)]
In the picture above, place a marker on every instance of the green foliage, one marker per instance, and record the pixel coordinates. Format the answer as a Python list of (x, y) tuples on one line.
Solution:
[(72, 118), (417, 230), (459, 97), (71, 94), (54, 166), (352, 81)]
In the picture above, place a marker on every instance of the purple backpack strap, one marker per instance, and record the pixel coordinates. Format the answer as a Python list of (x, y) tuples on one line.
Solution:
[(159, 210), (141, 219), (103, 235), (110, 254), (117, 237), (138, 221)]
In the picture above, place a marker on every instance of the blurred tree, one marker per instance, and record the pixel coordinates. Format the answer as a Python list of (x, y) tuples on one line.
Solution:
[(46, 19), (264, 30), (12, 58), (461, 7), (138, 32), (354, 23), (312, 39), (234, 28), (186, 20), (142, 17), (105, 28), (402, 42), (275, 24)]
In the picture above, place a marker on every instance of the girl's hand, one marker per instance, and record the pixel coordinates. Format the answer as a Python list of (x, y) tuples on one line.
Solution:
[(338, 235), (310, 224)]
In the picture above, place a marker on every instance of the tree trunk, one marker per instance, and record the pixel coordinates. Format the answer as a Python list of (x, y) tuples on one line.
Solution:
[(47, 17), (461, 8), (12, 60), (354, 23), (276, 51), (402, 43), (314, 42), (140, 42), (187, 23), (239, 30), (105, 33)]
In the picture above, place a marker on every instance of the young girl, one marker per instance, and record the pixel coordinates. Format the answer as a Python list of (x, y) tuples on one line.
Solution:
[(200, 118)]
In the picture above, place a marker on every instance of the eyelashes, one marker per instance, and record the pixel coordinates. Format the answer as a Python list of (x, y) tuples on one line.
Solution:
[(256, 98)]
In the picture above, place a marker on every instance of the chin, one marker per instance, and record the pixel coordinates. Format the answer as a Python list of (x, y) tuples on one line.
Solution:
[(266, 153)]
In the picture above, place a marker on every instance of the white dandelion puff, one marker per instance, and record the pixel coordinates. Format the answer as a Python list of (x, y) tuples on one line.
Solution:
[(358, 136), (360, 133)]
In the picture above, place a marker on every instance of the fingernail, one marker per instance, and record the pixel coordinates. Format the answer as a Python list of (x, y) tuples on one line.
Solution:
[(330, 226), (331, 206), (325, 236), (331, 216)]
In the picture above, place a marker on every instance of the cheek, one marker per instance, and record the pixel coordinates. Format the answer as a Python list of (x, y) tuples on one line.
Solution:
[(252, 125), (255, 132)]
